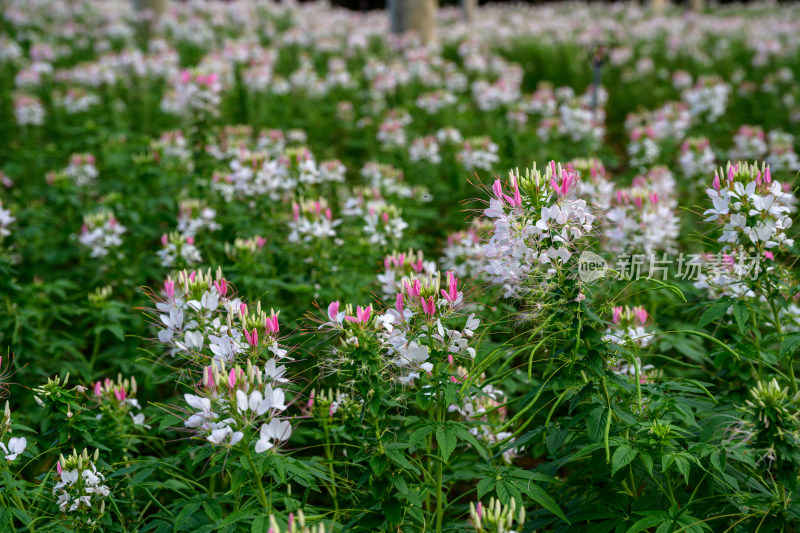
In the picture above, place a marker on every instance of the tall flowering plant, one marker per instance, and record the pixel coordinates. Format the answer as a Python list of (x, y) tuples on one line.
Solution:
[(405, 360), (540, 226)]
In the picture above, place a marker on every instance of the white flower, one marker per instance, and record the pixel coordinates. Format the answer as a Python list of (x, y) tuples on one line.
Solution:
[(274, 432), (16, 446)]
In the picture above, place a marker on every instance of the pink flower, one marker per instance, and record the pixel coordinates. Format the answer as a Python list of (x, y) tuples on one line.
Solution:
[(169, 289), (333, 310), (429, 306), (769, 255), (451, 295), (398, 303), (251, 337), (222, 287), (362, 315), (414, 288), (210, 383), (617, 314), (271, 323), (641, 314), (120, 394)]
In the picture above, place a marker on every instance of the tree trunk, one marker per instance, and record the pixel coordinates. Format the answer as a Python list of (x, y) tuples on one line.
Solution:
[(153, 9), (468, 8), (658, 6), (418, 16)]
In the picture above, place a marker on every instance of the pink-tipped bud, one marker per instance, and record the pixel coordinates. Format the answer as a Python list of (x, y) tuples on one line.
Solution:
[(243, 310), (189, 239), (98, 389), (271, 323), (398, 303), (164, 240), (429, 306), (769, 255), (169, 289), (232, 378), (58, 467), (222, 287), (497, 188), (311, 399), (716, 183), (767, 176), (617, 314), (210, 382)]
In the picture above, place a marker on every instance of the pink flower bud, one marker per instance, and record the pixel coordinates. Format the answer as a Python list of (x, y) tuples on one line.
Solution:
[(164, 240)]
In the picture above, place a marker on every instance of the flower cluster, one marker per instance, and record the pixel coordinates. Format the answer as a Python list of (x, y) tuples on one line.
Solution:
[(464, 250), (81, 171), (628, 327), (230, 403), (402, 265), (312, 220), (537, 227), (478, 153), (80, 487), (697, 158), (641, 220), (178, 251), (751, 209), (5, 221), (101, 232), (496, 517), (194, 94), (118, 399)]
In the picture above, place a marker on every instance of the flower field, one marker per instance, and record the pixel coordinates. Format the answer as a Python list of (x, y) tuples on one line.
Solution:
[(272, 268)]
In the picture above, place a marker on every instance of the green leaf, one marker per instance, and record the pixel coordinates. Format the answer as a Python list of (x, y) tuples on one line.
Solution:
[(538, 495), (555, 438), (789, 344), (260, 525), (502, 493), (716, 462), (447, 440), (399, 457), (741, 313), (595, 423), (714, 312), (622, 456), (646, 460), (392, 510), (646, 523), (485, 485), (213, 510), (419, 434), (683, 466), (464, 434)]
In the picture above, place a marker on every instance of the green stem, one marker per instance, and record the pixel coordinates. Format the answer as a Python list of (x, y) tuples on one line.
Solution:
[(440, 503), (262, 497)]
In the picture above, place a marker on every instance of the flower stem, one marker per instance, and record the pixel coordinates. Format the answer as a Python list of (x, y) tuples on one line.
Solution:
[(262, 496)]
